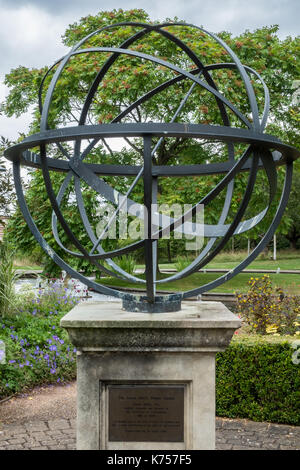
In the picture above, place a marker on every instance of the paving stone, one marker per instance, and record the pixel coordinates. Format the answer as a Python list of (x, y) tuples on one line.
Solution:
[(71, 447), (39, 448), (13, 430), (59, 424), (15, 447), (60, 434), (232, 425), (48, 442), (22, 436), (220, 441), (224, 447), (276, 429), (283, 447), (252, 443), (290, 443), (66, 441), (36, 426), (68, 432), (16, 441), (243, 448), (38, 435), (256, 427), (271, 446), (56, 433), (234, 441)]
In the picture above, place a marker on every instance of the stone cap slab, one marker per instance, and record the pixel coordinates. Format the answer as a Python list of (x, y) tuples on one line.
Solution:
[(103, 314), (105, 326)]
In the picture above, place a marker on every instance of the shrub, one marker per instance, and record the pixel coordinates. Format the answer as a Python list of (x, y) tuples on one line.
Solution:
[(257, 379), (182, 263), (268, 310), (127, 263), (37, 352), (37, 349)]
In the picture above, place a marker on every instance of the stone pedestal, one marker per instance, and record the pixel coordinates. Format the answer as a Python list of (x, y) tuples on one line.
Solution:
[(147, 381)]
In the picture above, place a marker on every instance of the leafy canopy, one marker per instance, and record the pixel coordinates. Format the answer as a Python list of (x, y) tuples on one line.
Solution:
[(128, 79)]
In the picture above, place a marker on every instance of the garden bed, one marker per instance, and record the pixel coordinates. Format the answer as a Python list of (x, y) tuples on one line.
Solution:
[(257, 376)]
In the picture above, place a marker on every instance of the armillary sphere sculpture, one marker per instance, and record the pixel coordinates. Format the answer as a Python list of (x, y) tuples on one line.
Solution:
[(235, 130)]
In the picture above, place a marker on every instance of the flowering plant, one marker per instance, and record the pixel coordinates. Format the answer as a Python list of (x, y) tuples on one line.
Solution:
[(37, 349), (267, 310)]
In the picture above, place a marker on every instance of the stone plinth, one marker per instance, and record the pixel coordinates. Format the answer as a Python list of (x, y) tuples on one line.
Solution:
[(161, 364)]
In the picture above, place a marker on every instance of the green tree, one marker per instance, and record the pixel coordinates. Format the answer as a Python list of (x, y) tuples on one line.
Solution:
[(292, 212), (129, 78), (7, 192)]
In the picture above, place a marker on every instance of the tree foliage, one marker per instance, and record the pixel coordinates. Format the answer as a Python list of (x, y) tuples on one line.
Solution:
[(7, 193), (129, 78)]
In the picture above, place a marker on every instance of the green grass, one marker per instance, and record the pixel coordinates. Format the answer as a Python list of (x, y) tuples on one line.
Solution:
[(28, 268), (26, 264), (286, 259), (288, 282), (282, 262)]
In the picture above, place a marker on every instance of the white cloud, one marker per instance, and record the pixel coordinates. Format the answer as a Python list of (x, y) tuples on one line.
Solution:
[(31, 30), (29, 36)]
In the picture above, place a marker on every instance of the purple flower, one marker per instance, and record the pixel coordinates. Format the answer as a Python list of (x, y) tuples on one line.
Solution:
[(52, 347), (34, 312), (52, 371), (11, 361)]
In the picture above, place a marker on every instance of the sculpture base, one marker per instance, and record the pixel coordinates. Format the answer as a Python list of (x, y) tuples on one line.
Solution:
[(162, 304), (147, 381)]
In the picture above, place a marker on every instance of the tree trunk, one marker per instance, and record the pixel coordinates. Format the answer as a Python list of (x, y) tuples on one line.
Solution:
[(293, 243), (169, 251)]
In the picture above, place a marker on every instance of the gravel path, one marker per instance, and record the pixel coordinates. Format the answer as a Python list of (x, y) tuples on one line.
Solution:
[(45, 418)]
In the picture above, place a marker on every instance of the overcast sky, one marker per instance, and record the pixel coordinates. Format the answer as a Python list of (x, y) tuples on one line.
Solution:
[(31, 30)]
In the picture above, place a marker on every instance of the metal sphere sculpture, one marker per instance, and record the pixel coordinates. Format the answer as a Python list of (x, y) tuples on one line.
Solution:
[(234, 130)]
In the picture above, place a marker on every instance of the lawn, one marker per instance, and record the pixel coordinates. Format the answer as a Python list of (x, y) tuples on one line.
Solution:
[(26, 264), (290, 283), (286, 260)]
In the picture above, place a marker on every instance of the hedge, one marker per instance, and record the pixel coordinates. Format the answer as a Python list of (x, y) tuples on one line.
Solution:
[(257, 379)]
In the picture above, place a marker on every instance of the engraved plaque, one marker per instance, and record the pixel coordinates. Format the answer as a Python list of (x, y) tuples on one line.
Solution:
[(144, 413)]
